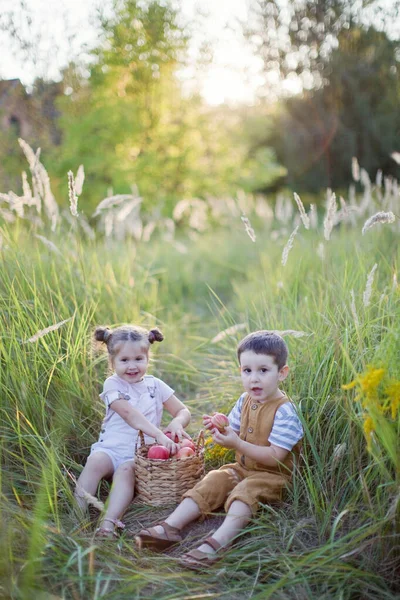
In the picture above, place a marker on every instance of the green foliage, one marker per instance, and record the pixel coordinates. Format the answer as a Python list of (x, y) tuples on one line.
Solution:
[(130, 123), (345, 58), (354, 114)]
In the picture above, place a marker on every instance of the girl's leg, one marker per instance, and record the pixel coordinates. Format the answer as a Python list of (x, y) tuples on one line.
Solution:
[(98, 465), (121, 494), (238, 516)]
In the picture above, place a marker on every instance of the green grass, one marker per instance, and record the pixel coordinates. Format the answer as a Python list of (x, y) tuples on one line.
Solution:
[(338, 535)]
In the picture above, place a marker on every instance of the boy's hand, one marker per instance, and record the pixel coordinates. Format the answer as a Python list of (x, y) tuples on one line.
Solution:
[(228, 439), (207, 422)]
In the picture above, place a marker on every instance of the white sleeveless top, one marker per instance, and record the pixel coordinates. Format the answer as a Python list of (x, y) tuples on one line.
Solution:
[(147, 396)]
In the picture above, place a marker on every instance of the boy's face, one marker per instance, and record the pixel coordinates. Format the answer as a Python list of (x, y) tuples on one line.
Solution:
[(260, 375)]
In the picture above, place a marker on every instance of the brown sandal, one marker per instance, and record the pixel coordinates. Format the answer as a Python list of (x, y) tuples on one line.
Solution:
[(104, 532), (157, 542), (197, 559)]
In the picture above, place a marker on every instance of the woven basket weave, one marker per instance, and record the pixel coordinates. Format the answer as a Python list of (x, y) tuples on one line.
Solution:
[(163, 482)]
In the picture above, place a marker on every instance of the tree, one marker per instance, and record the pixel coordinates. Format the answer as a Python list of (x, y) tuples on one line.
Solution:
[(354, 114), (349, 74), (116, 121), (296, 39)]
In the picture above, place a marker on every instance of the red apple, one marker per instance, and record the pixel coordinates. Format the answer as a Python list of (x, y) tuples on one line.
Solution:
[(185, 443), (158, 452), (220, 421), (185, 452)]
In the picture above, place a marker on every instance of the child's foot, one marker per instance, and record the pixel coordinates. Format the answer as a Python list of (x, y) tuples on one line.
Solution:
[(205, 555), (108, 531), (158, 538)]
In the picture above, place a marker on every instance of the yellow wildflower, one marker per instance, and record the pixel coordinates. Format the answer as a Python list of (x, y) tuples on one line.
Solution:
[(216, 454), (368, 384), (351, 385), (370, 381), (393, 393), (368, 429)]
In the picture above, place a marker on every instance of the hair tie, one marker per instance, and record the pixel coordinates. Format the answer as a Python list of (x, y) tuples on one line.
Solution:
[(107, 334)]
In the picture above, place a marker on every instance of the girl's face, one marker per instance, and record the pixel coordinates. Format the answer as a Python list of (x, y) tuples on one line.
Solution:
[(131, 361)]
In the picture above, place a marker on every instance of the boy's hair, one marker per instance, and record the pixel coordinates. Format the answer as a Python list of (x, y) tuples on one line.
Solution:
[(265, 342), (113, 338)]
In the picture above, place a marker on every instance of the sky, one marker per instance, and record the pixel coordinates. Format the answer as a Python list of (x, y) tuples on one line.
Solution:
[(233, 76)]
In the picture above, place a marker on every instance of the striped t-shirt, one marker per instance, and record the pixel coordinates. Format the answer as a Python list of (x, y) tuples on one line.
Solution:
[(286, 431)]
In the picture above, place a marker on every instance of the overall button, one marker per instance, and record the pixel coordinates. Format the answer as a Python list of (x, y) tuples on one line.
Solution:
[(250, 430), (103, 431), (254, 407)]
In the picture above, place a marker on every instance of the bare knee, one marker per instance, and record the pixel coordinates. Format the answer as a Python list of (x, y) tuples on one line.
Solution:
[(100, 464), (125, 471)]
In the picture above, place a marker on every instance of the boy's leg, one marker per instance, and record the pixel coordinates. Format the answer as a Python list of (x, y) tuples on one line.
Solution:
[(238, 516), (121, 494), (98, 465), (241, 505), (208, 495), (186, 512)]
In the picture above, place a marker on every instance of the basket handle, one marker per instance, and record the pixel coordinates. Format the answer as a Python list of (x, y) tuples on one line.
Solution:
[(142, 442), (200, 441)]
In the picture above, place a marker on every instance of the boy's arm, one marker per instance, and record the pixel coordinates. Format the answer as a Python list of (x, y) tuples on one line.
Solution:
[(270, 456)]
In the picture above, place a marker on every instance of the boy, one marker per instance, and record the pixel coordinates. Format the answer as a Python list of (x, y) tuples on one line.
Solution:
[(265, 431)]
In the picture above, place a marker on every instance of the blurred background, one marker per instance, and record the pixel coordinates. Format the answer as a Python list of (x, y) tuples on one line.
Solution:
[(187, 99)]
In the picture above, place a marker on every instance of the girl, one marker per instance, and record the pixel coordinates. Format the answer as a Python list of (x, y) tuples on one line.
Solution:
[(133, 401)]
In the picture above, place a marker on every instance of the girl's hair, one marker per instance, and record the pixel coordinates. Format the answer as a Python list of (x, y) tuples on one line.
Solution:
[(265, 342), (112, 338)]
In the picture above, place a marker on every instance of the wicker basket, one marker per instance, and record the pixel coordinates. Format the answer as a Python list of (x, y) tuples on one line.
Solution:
[(163, 482)]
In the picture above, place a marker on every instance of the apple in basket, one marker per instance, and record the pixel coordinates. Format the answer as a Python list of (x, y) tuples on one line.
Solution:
[(220, 421), (185, 443), (185, 452), (158, 452)]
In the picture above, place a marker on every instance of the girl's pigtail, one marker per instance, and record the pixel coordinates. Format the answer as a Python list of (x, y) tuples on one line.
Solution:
[(102, 334), (155, 335)]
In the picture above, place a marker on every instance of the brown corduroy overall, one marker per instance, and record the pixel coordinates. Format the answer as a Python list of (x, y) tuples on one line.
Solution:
[(246, 479)]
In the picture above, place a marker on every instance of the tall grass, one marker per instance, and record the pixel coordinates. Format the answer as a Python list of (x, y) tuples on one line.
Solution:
[(338, 534)]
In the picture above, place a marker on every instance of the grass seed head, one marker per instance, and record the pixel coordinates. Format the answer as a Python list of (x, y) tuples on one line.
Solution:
[(379, 217)]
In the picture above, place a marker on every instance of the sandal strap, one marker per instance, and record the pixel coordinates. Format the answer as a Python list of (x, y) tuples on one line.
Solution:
[(171, 534), (213, 543), (169, 529), (119, 524), (106, 532)]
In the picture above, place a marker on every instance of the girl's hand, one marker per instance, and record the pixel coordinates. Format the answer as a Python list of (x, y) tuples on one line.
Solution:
[(165, 441), (177, 431), (207, 422), (228, 439)]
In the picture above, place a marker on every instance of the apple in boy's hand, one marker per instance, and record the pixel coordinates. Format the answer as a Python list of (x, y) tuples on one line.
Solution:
[(220, 421), (184, 452), (187, 444), (158, 452)]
